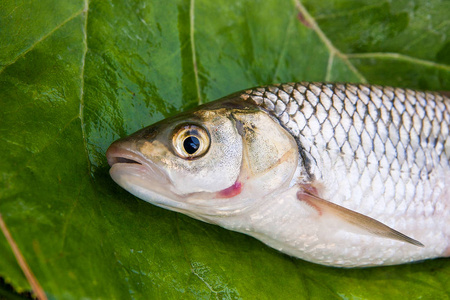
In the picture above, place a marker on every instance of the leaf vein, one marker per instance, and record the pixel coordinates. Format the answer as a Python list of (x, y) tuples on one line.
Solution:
[(83, 63), (426, 34), (350, 12), (44, 37), (399, 56), (333, 50), (194, 54), (329, 67), (106, 122), (283, 50), (68, 218), (216, 293), (177, 224)]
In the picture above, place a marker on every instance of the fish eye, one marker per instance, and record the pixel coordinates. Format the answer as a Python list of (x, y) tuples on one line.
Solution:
[(191, 144), (190, 141)]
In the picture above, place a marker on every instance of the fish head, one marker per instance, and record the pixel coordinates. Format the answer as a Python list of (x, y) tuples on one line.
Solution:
[(218, 160)]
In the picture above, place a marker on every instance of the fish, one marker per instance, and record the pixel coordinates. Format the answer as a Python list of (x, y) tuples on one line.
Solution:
[(344, 175)]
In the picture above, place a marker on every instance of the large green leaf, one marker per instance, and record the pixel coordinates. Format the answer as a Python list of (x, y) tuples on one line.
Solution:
[(75, 76)]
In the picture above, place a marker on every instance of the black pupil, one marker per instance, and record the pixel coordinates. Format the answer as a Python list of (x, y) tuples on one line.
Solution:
[(191, 144)]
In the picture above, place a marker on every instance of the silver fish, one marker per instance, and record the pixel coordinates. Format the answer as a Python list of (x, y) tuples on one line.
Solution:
[(337, 174)]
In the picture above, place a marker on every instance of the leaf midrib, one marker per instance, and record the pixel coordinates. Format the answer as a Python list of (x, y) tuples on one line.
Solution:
[(83, 64)]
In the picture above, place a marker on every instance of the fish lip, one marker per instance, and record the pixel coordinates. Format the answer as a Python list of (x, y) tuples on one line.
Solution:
[(122, 159), (115, 155), (136, 173)]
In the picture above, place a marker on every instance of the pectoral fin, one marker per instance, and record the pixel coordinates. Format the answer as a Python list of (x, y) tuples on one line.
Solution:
[(361, 221)]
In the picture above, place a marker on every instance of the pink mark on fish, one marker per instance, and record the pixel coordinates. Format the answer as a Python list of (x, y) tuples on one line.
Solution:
[(446, 252), (231, 191)]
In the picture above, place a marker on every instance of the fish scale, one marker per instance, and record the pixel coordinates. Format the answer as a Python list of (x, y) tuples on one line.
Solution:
[(337, 174), (381, 144)]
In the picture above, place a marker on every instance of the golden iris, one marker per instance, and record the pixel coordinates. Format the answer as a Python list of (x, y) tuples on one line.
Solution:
[(190, 141)]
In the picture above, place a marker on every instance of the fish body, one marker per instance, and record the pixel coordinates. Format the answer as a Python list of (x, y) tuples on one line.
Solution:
[(337, 174)]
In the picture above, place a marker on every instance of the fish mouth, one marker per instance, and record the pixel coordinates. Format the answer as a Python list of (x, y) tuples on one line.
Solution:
[(130, 165), (117, 154), (142, 177), (121, 160), (146, 180)]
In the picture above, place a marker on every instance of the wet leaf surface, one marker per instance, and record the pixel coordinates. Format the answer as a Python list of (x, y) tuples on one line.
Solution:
[(75, 76)]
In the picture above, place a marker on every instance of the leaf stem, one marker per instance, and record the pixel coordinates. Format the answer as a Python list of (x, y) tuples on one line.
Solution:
[(37, 289)]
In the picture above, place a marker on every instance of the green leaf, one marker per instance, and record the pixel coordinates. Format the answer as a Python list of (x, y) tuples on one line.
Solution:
[(75, 76)]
